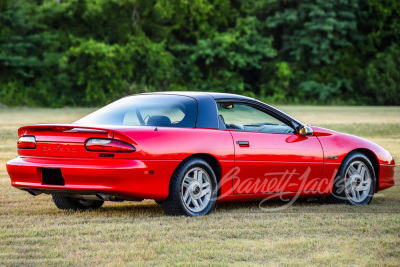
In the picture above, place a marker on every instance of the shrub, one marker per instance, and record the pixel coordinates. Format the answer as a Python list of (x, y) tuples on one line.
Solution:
[(382, 77)]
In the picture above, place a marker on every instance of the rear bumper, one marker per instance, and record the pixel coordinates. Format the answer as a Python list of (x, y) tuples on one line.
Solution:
[(386, 176), (121, 177)]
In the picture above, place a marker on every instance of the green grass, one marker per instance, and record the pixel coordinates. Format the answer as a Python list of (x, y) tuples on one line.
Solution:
[(33, 231)]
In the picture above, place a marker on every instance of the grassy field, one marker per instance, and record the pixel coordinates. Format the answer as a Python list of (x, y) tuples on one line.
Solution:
[(33, 231)]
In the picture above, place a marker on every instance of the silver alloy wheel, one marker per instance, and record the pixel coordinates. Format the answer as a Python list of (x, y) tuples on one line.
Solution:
[(196, 189), (357, 182)]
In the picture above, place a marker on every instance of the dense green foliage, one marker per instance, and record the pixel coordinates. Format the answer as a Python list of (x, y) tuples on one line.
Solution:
[(90, 52)]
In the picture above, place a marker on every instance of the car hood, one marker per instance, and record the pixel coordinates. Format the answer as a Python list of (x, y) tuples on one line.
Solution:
[(342, 144)]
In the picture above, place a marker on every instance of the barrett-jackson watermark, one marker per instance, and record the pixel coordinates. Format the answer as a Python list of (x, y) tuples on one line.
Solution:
[(275, 185)]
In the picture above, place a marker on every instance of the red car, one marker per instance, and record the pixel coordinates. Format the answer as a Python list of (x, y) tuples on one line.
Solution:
[(188, 150)]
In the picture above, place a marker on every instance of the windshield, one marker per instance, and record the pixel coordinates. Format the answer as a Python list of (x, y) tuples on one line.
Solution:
[(146, 110)]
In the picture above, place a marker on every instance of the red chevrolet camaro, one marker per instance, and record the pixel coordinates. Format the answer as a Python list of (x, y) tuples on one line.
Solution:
[(188, 150)]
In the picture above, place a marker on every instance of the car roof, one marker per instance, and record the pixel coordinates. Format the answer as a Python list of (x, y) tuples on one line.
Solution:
[(195, 94), (205, 102)]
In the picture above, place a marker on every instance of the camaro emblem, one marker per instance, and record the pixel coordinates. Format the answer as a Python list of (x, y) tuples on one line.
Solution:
[(332, 157), (103, 155), (59, 149)]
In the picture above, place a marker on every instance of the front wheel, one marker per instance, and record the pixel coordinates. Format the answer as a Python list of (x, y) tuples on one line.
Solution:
[(69, 203), (356, 181), (193, 189)]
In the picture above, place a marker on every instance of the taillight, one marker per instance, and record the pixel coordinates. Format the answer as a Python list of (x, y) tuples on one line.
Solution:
[(108, 145), (26, 142)]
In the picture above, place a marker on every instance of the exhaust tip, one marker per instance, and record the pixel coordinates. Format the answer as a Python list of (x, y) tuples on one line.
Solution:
[(107, 197)]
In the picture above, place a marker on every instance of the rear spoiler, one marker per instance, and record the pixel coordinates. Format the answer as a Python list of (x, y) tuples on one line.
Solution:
[(63, 128)]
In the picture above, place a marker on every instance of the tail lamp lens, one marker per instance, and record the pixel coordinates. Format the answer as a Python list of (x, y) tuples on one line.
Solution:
[(26, 142), (108, 145)]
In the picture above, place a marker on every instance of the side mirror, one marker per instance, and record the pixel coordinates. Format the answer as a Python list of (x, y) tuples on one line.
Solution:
[(227, 105), (306, 130)]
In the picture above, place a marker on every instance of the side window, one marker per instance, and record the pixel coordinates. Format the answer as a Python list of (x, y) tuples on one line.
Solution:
[(246, 118)]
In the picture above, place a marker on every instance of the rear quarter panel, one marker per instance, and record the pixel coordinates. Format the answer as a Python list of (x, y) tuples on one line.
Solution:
[(176, 144)]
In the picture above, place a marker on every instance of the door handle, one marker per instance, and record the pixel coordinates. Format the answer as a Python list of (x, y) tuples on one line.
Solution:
[(243, 143)]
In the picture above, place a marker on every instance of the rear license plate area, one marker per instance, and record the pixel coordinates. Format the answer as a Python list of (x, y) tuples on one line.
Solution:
[(52, 177)]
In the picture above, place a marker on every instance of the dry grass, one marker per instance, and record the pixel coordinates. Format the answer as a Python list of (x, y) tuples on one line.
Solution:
[(33, 231)]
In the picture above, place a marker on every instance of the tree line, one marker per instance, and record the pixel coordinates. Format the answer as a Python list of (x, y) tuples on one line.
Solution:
[(90, 52)]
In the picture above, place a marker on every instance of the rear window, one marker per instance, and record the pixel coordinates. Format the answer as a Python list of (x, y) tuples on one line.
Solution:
[(146, 110)]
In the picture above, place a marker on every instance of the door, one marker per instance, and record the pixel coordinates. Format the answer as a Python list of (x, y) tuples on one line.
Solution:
[(270, 157)]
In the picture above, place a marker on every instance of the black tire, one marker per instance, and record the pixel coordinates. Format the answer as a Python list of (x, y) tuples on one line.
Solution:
[(174, 205), (342, 196), (69, 203)]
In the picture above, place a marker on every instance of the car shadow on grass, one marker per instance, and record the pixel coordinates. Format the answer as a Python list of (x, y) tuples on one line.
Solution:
[(148, 208), (301, 205)]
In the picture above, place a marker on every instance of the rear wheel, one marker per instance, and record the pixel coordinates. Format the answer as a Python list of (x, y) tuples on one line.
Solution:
[(69, 203), (193, 189), (356, 181)]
